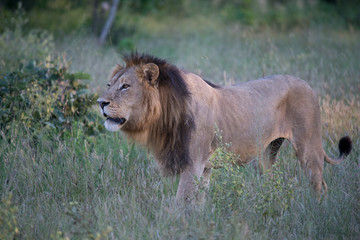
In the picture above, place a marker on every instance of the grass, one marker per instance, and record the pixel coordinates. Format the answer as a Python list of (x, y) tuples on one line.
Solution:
[(327, 60), (84, 187)]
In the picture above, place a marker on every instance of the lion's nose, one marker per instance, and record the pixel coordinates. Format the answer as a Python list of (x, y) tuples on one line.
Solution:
[(102, 103)]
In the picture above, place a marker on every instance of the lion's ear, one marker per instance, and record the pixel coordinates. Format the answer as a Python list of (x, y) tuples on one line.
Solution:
[(151, 72)]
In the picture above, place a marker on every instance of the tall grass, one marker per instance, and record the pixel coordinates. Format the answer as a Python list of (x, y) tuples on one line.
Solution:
[(84, 187)]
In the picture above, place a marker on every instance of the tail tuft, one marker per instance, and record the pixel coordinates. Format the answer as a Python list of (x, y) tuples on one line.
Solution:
[(345, 146)]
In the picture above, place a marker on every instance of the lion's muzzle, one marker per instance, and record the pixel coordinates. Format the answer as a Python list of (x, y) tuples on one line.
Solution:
[(112, 122), (103, 103)]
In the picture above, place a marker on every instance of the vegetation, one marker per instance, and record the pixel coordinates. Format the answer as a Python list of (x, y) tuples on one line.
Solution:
[(62, 177), (38, 97)]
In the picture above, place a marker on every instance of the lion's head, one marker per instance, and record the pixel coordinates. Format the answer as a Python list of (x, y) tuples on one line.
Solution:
[(148, 100), (131, 102)]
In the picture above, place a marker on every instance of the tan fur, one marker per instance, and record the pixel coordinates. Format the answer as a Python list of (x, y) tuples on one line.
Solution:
[(254, 117)]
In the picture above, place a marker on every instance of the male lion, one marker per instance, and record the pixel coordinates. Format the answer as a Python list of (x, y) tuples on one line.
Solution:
[(175, 114)]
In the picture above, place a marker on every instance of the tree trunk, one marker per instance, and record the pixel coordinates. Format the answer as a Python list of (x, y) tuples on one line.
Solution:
[(109, 21)]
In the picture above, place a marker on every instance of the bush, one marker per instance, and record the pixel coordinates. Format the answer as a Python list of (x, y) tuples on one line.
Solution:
[(39, 96), (35, 91), (273, 191), (229, 178)]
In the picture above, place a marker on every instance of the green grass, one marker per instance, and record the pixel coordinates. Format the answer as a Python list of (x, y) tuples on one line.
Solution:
[(80, 186), (83, 185), (327, 59)]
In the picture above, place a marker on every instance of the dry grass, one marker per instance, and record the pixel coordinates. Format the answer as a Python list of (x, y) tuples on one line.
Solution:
[(340, 117)]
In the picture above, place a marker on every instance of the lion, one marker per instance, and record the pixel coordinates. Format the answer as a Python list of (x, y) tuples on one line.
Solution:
[(176, 114)]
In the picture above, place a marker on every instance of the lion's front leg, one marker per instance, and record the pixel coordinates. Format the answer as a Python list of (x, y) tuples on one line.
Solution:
[(194, 180), (191, 184)]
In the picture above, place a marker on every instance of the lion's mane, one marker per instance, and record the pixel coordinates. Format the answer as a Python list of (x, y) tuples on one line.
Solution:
[(169, 135)]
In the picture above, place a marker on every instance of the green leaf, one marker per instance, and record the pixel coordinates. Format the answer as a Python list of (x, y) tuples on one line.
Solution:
[(69, 76), (82, 76)]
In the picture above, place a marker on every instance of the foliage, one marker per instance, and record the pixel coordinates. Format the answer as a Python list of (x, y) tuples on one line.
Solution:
[(275, 13), (243, 11), (36, 91), (46, 96), (46, 4), (348, 10), (83, 225), (274, 191), (17, 47), (232, 182), (222, 157), (65, 16), (8, 222), (61, 23)]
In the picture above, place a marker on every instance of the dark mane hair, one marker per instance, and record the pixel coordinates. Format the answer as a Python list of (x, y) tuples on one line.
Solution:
[(213, 85), (169, 136), (169, 74)]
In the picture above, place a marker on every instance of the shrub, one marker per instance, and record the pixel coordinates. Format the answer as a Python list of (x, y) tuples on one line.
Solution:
[(37, 96), (271, 194), (83, 224), (229, 178), (37, 92), (275, 193)]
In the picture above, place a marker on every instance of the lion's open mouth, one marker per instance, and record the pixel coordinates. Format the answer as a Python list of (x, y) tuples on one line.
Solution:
[(117, 120)]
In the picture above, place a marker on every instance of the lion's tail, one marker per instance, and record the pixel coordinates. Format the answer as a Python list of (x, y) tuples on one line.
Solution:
[(345, 146)]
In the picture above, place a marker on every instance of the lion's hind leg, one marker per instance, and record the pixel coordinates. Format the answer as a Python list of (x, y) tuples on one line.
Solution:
[(270, 153), (315, 170), (312, 162)]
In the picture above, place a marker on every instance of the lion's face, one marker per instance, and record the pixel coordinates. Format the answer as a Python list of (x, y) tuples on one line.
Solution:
[(130, 96)]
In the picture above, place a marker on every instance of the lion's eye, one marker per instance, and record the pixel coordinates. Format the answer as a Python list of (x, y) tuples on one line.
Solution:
[(124, 86)]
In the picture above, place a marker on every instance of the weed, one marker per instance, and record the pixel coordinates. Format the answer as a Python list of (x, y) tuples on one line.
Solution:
[(8, 222), (83, 225), (275, 194)]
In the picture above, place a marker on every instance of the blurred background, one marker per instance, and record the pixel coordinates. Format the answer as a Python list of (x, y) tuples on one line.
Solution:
[(224, 41), (66, 16)]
